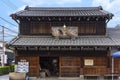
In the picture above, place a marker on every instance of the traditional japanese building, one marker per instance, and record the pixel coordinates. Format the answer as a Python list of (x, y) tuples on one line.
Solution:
[(66, 41)]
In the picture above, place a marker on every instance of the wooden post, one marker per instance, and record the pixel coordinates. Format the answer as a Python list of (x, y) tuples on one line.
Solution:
[(60, 66), (16, 56), (108, 58)]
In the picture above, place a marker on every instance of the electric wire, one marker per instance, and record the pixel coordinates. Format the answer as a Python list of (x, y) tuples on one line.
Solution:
[(8, 4), (8, 22), (9, 29)]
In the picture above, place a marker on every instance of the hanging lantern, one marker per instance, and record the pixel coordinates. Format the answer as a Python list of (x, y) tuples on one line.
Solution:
[(64, 27)]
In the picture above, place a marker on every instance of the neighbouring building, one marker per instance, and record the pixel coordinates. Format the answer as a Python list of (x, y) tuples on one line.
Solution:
[(9, 55), (66, 41)]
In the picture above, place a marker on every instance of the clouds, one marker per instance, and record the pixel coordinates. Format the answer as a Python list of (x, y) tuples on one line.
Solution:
[(108, 4), (49, 2), (111, 6)]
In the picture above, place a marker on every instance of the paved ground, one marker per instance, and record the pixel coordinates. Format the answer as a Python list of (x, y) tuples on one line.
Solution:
[(76, 78), (55, 78), (4, 77), (66, 78)]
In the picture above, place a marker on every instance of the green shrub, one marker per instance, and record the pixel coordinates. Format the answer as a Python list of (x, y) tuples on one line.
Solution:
[(12, 68), (0, 70), (4, 70)]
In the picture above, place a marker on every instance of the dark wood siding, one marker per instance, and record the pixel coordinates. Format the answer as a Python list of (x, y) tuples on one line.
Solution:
[(25, 28), (41, 28), (99, 66), (34, 64), (101, 28), (72, 62), (69, 66), (116, 65)]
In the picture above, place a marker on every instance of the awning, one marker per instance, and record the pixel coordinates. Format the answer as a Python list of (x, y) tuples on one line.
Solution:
[(50, 41)]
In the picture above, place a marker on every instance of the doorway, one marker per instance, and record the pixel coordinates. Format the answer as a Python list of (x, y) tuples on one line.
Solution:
[(50, 64)]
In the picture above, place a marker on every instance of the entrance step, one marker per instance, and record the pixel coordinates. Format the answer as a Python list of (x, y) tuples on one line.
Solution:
[(56, 78)]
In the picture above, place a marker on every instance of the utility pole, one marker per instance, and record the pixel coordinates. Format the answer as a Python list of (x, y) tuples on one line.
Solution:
[(3, 47)]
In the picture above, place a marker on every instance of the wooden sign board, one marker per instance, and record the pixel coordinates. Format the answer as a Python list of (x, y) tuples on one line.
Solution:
[(68, 32)]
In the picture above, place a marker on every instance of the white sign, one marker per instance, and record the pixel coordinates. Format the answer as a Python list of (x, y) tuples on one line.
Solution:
[(23, 67), (88, 62)]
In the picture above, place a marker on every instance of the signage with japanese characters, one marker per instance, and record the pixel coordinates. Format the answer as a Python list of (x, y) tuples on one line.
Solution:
[(23, 66), (88, 62)]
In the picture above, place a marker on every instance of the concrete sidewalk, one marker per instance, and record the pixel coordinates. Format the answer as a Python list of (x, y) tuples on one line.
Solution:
[(4, 77)]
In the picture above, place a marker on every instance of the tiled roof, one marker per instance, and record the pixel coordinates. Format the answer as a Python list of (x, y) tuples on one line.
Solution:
[(114, 35), (111, 39), (49, 41), (63, 11)]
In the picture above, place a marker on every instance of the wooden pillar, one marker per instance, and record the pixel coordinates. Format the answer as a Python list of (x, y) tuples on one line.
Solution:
[(16, 56), (60, 66), (81, 65), (108, 58), (109, 66)]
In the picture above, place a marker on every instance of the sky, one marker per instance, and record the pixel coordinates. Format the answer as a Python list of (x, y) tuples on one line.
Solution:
[(8, 7)]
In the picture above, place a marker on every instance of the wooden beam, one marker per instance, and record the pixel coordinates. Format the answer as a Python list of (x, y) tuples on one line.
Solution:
[(42, 48), (28, 18), (88, 19), (79, 19), (39, 19), (108, 58), (48, 48), (70, 19), (101, 48), (21, 48), (97, 19), (32, 48), (49, 19), (59, 19), (54, 48)]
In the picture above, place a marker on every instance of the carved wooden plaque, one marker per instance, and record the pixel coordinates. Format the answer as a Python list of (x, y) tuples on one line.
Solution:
[(68, 32)]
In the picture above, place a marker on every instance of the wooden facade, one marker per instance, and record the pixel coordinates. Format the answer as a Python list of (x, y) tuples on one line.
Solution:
[(70, 63), (90, 57), (44, 28)]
